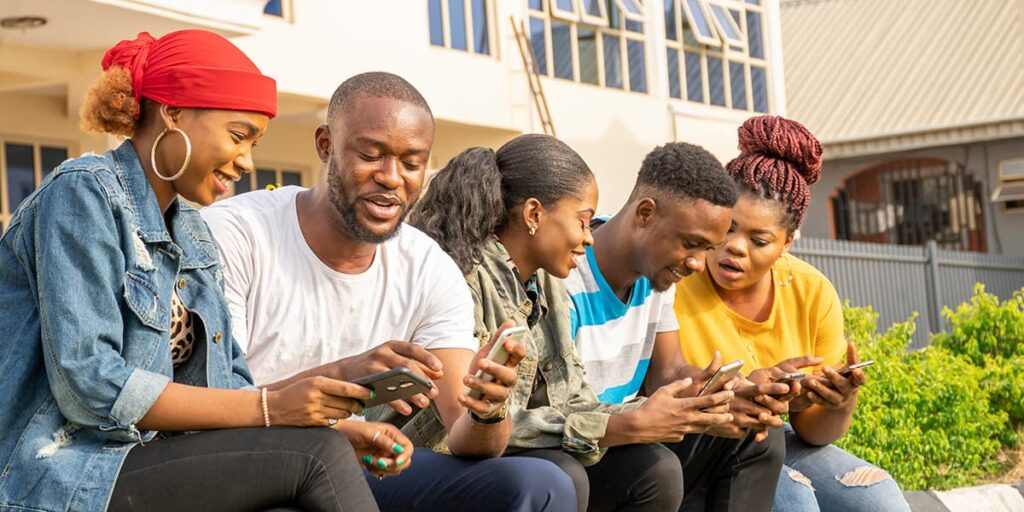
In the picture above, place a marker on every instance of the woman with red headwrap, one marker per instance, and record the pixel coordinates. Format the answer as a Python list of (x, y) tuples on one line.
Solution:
[(779, 314), (117, 335)]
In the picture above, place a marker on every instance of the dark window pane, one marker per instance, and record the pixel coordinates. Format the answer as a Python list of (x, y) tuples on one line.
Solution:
[(716, 81), (738, 84), (694, 78), (537, 5), (21, 180), (637, 66), (273, 8), (635, 26), (612, 61), (457, 24), (759, 89), (736, 16), (614, 15), (699, 22), (724, 21), (436, 30), (243, 185), (674, 89), (592, 7), (51, 157), (754, 38), (291, 178), (537, 42), (754, 2), (265, 177), (588, 55), (561, 50), (481, 43), (670, 20), (566, 5)]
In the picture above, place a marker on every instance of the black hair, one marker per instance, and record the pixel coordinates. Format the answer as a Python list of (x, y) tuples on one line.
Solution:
[(374, 84), (470, 198), (685, 172)]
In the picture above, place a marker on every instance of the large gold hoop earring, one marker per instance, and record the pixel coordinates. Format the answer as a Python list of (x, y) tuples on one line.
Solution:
[(184, 165)]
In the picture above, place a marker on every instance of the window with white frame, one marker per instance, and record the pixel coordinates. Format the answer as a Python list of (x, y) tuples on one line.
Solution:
[(597, 42), (23, 165), (278, 8), (460, 25), (716, 53), (1010, 191), (268, 177)]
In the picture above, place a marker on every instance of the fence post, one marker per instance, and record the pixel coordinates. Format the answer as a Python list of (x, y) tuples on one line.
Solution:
[(934, 295)]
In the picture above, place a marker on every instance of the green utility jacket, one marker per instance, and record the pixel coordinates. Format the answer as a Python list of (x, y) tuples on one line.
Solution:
[(571, 417)]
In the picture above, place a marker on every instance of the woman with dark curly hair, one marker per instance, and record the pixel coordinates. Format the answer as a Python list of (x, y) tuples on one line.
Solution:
[(758, 303), (117, 335)]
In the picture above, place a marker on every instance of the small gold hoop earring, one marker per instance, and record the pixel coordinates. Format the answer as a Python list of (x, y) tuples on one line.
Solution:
[(184, 165), (788, 279), (533, 230)]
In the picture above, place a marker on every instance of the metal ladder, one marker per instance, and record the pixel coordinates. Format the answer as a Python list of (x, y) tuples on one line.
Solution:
[(533, 75)]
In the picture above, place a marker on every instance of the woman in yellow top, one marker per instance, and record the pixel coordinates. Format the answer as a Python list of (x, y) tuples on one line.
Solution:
[(762, 305)]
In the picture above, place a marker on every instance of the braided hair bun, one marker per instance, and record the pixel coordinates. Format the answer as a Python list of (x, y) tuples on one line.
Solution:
[(779, 159)]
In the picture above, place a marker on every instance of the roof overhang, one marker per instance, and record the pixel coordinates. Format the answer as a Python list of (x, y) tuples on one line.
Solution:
[(867, 145), (81, 25)]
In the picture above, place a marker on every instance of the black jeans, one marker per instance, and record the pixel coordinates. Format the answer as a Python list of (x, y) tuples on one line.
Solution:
[(729, 475), (636, 477), (249, 469), (717, 474)]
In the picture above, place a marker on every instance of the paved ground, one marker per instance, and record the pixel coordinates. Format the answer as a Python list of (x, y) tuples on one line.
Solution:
[(987, 498)]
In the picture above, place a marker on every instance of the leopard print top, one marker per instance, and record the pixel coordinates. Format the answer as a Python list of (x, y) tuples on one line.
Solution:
[(182, 332)]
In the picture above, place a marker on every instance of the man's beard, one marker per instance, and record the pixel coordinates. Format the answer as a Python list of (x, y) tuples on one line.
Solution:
[(346, 208)]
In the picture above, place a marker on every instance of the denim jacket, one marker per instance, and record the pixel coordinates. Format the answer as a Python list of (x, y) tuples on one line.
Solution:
[(87, 273), (573, 420)]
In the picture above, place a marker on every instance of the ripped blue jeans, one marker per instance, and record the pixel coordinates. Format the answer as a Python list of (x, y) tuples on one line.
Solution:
[(817, 478)]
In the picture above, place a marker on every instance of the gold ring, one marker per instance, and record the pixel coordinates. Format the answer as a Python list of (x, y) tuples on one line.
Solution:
[(332, 422), (490, 408)]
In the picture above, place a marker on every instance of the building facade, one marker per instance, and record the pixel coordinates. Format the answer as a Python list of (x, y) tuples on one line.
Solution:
[(919, 105), (619, 77)]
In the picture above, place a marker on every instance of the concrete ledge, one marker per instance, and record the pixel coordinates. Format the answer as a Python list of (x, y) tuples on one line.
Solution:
[(991, 498)]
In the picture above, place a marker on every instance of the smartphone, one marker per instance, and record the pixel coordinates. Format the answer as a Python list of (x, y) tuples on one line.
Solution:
[(724, 373), (498, 355), (790, 377), (394, 384), (845, 372)]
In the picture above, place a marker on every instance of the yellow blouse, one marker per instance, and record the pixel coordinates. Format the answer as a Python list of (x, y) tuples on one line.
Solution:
[(806, 319)]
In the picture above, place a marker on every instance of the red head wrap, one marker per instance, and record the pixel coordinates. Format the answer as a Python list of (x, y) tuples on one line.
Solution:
[(194, 69)]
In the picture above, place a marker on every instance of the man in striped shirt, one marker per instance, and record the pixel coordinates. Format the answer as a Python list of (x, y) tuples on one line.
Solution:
[(625, 329)]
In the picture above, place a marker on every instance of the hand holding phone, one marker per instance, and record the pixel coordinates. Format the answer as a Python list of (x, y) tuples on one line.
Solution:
[(845, 372), (723, 375), (789, 377), (499, 355), (395, 384)]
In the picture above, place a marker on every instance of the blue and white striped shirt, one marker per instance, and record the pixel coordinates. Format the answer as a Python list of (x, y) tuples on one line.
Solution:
[(615, 340)]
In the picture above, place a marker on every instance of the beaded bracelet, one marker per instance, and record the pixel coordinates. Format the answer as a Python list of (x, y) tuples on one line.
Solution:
[(266, 412)]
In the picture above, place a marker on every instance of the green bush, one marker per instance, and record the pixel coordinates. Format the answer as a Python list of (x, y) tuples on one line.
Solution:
[(922, 415), (991, 334), (985, 327)]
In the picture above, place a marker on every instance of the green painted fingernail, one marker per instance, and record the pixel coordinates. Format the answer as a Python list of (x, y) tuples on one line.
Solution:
[(381, 463), (373, 394), (367, 459), (398, 448), (362, 412), (401, 462)]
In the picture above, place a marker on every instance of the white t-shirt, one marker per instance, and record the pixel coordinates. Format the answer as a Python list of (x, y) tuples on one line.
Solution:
[(291, 312)]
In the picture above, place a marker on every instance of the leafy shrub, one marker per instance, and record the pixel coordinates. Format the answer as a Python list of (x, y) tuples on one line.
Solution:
[(991, 334), (985, 327), (922, 415)]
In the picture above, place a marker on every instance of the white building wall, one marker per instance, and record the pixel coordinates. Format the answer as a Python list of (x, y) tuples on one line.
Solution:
[(477, 99)]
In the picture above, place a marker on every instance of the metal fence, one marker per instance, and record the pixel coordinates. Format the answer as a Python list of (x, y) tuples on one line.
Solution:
[(897, 280)]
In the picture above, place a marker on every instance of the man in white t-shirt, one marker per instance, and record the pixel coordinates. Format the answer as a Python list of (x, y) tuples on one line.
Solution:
[(330, 281)]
